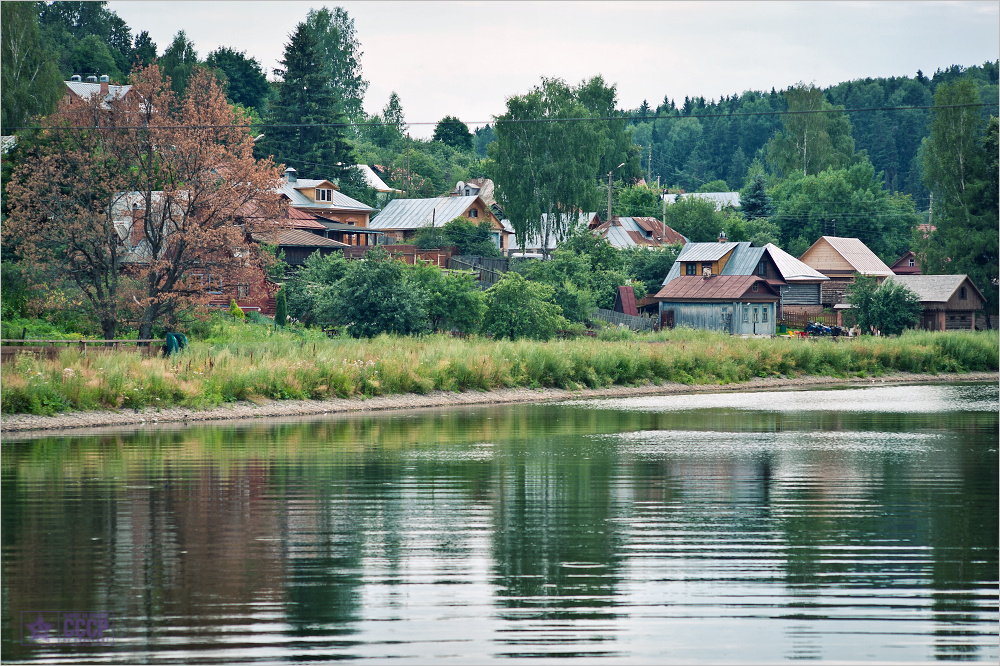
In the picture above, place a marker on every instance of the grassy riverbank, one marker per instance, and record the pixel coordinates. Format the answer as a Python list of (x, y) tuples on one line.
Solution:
[(244, 363)]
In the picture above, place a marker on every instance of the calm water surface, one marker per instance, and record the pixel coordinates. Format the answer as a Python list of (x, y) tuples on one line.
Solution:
[(841, 525)]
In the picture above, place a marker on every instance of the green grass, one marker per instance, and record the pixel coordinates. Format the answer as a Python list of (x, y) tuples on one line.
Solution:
[(236, 361)]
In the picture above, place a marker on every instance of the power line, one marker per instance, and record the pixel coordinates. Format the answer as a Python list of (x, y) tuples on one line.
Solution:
[(497, 121)]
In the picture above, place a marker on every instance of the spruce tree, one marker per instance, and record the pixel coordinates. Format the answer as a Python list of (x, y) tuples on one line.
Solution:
[(309, 130), (754, 201)]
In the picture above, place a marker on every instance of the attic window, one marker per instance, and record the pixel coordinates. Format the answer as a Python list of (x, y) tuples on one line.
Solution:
[(467, 193), (473, 212), (754, 287), (324, 194), (962, 293), (762, 268), (911, 262), (690, 269)]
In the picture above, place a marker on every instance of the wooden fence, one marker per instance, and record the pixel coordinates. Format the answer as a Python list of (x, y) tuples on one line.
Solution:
[(490, 269), (639, 323), (801, 320), (9, 349)]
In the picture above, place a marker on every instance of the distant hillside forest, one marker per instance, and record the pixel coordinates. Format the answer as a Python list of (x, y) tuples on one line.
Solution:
[(711, 141)]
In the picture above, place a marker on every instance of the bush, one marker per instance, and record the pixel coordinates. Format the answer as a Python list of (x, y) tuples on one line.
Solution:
[(516, 308)]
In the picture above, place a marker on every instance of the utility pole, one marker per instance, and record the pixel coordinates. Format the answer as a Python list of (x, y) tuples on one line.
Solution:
[(649, 166), (409, 179), (663, 198), (609, 194)]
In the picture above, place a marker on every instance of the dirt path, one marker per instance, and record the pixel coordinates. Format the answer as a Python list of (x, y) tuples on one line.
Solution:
[(284, 408)]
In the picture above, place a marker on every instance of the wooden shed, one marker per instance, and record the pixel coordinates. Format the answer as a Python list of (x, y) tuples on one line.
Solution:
[(736, 304), (950, 301)]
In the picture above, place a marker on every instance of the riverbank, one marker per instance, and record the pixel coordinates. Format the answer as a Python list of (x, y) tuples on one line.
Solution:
[(288, 408)]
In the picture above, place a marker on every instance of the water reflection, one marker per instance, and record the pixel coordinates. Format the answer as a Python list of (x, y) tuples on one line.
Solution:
[(671, 529)]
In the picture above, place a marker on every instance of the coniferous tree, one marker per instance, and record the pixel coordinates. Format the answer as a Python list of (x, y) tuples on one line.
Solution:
[(309, 128)]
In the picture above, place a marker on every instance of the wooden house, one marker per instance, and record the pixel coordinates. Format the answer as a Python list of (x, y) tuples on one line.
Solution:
[(346, 219), (623, 232), (839, 259), (736, 304), (401, 219), (908, 264), (950, 302)]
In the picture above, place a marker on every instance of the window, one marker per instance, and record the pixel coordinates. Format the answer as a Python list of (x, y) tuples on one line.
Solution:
[(746, 314), (467, 192), (911, 262), (962, 293), (756, 316), (754, 287), (762, 268), (324, 194), (690, 269), (473, 212), (242, 290), (763, 313)]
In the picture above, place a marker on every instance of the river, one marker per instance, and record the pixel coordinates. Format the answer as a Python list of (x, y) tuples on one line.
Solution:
[(853, 524)]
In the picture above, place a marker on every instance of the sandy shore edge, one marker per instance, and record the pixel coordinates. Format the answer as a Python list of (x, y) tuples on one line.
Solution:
[(287, 408)]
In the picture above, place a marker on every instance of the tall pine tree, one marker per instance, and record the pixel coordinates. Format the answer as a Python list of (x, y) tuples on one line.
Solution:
[(308, 129)]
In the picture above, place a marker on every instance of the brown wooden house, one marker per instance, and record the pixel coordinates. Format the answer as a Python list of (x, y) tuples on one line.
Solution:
[(839, 259), (950, 302)]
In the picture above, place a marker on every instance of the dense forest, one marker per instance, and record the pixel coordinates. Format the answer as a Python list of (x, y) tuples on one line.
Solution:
[(867, 158)]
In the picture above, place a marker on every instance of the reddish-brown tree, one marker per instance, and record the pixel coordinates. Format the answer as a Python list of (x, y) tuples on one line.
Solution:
[(161, 188)]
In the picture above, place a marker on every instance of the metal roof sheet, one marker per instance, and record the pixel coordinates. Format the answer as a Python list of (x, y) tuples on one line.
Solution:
[(716, 288), (85, 90), (720, 199), (298, 238), (858, 255), (933, 288), (339, 201), (791, 268), (373, 180), (743, 260), (417, 213)]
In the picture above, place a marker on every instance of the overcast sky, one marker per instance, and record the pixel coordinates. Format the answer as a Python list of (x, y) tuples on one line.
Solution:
[(465, 58)]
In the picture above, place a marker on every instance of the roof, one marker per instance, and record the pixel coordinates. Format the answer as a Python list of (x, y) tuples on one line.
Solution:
[(857, 254), (791, 268), (716, 288), (339, 200), (698, 252), (303, 220), (84, 90), (624, 232), (7, 142), (720, 199), (934, 288), (487, 190), (373, 180), (417, 213), (297, 238), (625, 299), (744, 260), (341, 226), (535, 241)]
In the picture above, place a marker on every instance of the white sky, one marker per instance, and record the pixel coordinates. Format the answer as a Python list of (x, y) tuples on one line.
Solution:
[(465, 58)]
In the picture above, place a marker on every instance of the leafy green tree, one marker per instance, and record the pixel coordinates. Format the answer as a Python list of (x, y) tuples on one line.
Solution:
[(637, 201), (280, 308), (32, 83), (340, 55), (246, 83), (888, 307), (651, 265), (92, 55), (484, 136), (847, 202), (517, 308), (470, 237), (960, 166), (178, 61), (375, 296), (811, 142), (311, 129), (554, 167), (453, 132), (759, 230), (388, 129), (235, 311), (717, 185), (454, 301), (696, 218), (306, 286)]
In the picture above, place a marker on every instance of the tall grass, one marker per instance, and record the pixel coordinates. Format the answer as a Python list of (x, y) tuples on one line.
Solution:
[(245, 362)]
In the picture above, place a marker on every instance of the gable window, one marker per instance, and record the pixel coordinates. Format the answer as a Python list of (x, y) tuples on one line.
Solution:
[(962, 293), (324, 194), (911, 262), (473, 212), (467, 192), (754, 287), (762, 268), (690, 269)]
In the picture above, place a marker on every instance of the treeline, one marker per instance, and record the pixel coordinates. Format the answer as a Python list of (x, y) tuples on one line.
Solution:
[(700, 142)]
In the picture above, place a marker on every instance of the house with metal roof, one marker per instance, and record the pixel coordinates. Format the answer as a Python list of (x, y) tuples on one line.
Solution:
[(735, 304), (624, 232), (908, 264), (950, 302), (535, 244), (839, 259), (401, 219), (798, 285), (79, 90), (344, 219)]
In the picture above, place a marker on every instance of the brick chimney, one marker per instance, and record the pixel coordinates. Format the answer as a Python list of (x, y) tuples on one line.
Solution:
[(105, 80), (722, 237)]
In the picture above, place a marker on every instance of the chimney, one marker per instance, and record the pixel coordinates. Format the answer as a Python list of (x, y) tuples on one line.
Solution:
[(105, 80), (76, 78), (290, 175), (706, 272), (722, 237)]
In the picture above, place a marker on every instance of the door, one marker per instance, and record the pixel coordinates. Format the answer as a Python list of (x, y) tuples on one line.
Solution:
[(756, 318)]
